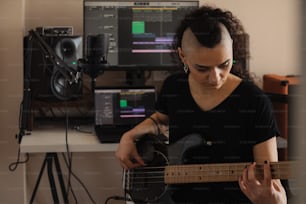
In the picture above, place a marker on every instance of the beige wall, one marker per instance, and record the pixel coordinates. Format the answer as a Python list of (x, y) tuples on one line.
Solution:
[(11, 32), (54, 13), (274, 28), (274, 32)]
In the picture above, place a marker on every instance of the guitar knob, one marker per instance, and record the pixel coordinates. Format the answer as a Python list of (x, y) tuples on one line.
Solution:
[(209, 143)]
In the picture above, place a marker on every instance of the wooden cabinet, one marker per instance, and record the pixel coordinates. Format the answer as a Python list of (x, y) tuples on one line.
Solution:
[(283, 92)]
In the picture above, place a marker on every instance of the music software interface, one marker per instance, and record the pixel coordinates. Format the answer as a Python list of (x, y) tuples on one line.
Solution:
[(141, 33), (123, 106)]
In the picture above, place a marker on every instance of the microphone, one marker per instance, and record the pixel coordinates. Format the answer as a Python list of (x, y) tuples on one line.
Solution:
[(97, 48), (96, 56)]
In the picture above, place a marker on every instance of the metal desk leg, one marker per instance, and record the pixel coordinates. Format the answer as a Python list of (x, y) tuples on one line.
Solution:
[(38, 180), (49, 159), (60, 177)]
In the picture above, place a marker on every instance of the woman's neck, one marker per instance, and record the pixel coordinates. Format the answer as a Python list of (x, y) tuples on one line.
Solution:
[(230, 83)]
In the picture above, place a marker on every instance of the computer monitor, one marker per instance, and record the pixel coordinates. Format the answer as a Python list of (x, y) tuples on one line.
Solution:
[(123, 105), (141, 32), (118, 109)]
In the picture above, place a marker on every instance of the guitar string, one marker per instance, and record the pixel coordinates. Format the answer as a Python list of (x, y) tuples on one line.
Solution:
[(274, 169), (192, 173), (276, 165), (160, 175), (162, 169), (273, 165), (161, 180)]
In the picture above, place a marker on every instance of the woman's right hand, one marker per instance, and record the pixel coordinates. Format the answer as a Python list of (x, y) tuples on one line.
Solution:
[(127, 152)]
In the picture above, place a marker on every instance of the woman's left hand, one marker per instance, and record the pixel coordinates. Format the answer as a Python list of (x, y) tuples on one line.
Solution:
[(263, 191)]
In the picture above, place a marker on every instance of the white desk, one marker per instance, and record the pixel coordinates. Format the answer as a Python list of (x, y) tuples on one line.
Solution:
[(52, 140)]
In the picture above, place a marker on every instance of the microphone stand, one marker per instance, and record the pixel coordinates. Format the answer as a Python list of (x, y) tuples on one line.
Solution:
[(25, 107), (93, 68), (73, 76)]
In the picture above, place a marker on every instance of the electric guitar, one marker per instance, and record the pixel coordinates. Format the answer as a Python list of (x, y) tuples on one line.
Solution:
[(149, 183)]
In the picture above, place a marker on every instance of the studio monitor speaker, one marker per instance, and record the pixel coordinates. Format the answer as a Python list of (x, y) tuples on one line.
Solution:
[(47, 80)]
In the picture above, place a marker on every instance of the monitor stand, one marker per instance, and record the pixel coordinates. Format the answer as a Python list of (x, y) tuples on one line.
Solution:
[(135, 78)]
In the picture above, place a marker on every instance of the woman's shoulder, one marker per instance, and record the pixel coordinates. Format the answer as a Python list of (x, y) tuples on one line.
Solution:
[(176, 80), (250, 92), (174, 84), (177, 77), (249, 87)]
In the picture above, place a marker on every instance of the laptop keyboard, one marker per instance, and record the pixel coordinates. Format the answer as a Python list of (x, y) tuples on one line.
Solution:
[(111, 133)]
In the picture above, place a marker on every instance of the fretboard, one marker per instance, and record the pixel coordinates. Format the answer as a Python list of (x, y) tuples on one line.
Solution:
[(202, 173)]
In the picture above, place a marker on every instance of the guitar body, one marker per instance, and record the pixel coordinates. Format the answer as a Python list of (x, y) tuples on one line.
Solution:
[(146, 185), (135, 182)]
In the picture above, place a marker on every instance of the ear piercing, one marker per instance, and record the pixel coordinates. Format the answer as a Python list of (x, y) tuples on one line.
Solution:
[(186, 68)]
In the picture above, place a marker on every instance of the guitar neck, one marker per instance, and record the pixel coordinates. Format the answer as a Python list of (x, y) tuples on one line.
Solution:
[(227, 172)]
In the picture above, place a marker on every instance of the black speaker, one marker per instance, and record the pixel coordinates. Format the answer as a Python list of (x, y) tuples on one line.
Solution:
[(48, 79)]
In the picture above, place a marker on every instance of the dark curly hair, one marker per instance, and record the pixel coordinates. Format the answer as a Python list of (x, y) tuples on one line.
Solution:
[(204, 23)]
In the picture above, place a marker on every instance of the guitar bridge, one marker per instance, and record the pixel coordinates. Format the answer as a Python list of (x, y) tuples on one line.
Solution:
[(126, 180)]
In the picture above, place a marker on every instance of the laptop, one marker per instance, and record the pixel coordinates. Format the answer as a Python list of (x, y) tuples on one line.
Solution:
[(118, 109)]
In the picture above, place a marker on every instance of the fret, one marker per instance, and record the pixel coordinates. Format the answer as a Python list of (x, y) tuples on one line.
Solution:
[(201, 173)]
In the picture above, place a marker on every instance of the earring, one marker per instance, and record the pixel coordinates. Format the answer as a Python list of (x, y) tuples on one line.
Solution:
[(186, 68)]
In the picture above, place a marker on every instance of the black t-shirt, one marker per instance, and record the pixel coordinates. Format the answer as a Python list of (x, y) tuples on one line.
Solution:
[(229, 131)]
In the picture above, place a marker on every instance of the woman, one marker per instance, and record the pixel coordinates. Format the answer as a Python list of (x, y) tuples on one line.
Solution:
[(215, 99)]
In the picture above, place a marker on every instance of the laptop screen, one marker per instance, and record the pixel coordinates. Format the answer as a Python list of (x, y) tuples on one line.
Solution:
[(123, 106)]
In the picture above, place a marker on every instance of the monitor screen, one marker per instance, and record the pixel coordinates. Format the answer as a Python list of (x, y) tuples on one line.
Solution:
[(140, 32), (116, 106)]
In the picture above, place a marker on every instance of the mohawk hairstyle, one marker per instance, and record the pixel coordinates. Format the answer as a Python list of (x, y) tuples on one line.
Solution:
[(205, 22)]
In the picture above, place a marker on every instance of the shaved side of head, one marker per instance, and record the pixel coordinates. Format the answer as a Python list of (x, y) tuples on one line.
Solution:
[(190, 43)]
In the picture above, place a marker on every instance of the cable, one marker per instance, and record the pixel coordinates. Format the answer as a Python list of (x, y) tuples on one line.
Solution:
[(121, 198), (83, 130), (79, 180), (13, 166), (68, 163)]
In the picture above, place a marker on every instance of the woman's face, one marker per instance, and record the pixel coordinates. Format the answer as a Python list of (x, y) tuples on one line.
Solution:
[(207, 66)]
